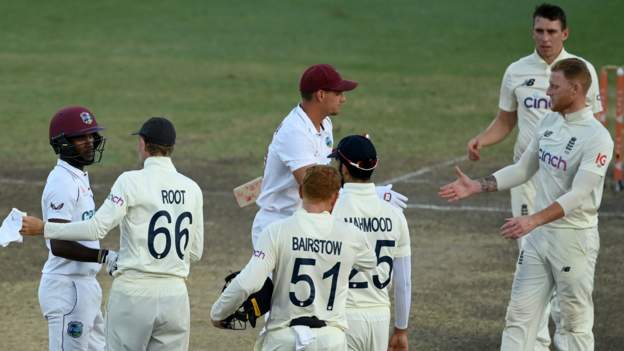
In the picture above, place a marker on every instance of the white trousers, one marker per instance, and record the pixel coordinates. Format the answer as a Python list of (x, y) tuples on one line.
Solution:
[(262, 219), (368, 328), (148, 314), (325, 339), (563, 260), (522, 204), (71, 305)]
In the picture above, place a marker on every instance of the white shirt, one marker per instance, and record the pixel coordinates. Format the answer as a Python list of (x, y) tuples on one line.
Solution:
[(387, 233), (563, 146), (523, 89), (67, 195), (296, 143), (160, 213), (311, 256)]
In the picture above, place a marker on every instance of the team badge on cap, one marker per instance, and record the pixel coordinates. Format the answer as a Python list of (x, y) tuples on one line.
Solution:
[(74, 329), (86, 117)]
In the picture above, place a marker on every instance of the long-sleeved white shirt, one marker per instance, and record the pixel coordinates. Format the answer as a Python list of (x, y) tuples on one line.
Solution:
[(160, 213), (311, 256)]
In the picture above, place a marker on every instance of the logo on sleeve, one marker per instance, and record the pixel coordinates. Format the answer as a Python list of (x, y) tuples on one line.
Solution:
[(259, 254), (56, 207), (74, 329), (117, 200), (601, 160), (548, 133), (328, 141), (529, 82)]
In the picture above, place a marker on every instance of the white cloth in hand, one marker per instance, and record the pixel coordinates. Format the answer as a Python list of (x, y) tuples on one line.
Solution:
[(111, 261), (303, 337), (386, 193), (12, 224)]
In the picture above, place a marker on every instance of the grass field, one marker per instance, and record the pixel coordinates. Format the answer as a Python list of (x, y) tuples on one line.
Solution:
[(226, 73)]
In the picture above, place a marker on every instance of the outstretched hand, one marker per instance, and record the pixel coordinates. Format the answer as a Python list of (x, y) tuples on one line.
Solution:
[(461, 188), (31, 226)]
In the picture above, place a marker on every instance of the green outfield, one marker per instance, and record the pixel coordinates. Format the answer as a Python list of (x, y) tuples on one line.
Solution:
[(226, 73)]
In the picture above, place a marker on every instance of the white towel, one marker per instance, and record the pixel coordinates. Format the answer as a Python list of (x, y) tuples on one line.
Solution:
[(9, 231), (303, 337)]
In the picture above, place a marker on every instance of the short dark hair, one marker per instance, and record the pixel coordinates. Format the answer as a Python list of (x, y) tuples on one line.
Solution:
[(574, 69), (307, 96), (320, 183), (158, 150), (551, 12)]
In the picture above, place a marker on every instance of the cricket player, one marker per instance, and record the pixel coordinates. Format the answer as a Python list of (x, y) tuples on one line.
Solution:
[(385, 228), (69, 295), (523, 102), (568, 158), (310, 256), (303, 139), (161, 230)]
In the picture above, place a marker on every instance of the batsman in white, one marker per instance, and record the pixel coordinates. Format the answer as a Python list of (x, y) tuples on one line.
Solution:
[(161, 230), (568, 158), (385, 228), (69, 295), (310, 256), (303, 139), (523, 102)]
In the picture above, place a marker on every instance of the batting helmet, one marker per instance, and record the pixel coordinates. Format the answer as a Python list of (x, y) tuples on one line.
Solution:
[(256, 305), (71, 122)]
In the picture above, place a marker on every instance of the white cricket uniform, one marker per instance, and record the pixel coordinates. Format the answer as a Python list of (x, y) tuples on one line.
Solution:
[(296, 143), (386, 230), (562, 254), (69, 295), (310, 256), (523, 90), (161, 222)]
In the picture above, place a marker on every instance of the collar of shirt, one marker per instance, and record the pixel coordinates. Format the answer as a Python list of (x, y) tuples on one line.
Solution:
[(579, 115), (360, 188), (308, 121), (562, 55), (73, 170), (159, 162)]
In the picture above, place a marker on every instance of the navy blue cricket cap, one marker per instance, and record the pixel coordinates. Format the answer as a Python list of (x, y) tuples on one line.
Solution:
[(159, 131), (357, 151)]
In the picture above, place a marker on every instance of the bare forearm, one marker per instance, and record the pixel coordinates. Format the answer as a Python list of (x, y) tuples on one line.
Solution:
[(498, 130), (547, 215)]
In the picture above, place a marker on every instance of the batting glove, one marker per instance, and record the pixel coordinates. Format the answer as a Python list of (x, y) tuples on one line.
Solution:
[(109, 258), (386, 193)]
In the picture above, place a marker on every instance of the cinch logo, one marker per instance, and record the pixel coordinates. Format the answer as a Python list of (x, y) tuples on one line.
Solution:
[(553, 160), (601, 160), (536, 102), (117, 200)]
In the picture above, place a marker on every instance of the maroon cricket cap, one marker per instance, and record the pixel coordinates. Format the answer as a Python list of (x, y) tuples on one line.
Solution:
[(324, 77)]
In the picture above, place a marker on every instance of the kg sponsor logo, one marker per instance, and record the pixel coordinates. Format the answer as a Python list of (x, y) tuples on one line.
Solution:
[(601, 160)]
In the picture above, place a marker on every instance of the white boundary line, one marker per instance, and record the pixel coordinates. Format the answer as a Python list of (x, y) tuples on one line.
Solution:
[(424, 170)]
